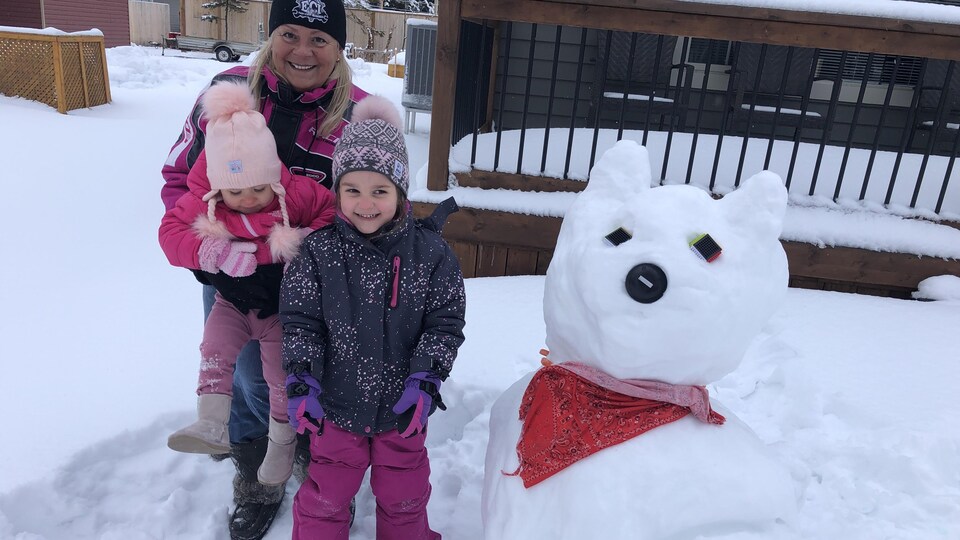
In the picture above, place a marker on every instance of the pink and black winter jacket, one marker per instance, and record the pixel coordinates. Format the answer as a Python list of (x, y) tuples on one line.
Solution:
[(294, 118), (184, 227)]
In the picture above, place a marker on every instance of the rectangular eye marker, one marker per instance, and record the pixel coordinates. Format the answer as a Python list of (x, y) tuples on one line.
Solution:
[(706, 247), (617, 237)]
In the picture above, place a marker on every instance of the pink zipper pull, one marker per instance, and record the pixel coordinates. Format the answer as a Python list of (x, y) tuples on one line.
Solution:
[(396, 281)]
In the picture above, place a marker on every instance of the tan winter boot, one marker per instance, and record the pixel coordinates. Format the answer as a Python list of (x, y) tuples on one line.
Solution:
[(277, 465), (208, 435)]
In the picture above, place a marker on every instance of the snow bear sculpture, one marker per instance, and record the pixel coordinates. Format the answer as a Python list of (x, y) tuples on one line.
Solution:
[(659, 290)]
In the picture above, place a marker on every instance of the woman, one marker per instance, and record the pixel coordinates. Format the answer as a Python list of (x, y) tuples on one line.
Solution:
[(303, 83)]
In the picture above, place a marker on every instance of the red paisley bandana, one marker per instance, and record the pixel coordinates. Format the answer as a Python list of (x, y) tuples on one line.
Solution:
[(570, 411)]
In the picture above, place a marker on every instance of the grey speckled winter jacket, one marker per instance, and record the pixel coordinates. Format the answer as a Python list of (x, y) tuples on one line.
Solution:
[(365, 314)]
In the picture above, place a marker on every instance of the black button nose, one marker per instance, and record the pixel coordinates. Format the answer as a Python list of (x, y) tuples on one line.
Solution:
[(646, 283)]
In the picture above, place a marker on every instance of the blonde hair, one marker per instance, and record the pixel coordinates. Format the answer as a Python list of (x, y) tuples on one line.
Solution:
[(341, 93)]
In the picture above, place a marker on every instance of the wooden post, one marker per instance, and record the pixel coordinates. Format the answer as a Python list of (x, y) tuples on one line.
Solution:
[(60, 89), (106, 76), (444, 88), (183, 17)]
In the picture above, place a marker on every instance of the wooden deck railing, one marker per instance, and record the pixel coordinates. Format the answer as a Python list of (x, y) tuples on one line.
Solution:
[(737, 24), (493, 243)]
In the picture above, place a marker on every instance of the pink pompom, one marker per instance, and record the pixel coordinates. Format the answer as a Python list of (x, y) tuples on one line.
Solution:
[(377, 108), (284, 243), (226, 98)]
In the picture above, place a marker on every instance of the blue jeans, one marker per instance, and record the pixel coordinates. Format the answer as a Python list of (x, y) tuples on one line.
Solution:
[(250, 408)]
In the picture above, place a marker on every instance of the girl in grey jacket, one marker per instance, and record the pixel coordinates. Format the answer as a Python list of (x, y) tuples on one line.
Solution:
[(373, 315)]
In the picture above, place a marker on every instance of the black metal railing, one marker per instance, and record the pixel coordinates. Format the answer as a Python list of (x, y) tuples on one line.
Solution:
[(836, 124)]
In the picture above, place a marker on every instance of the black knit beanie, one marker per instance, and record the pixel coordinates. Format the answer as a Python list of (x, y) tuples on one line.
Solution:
[(325, 15)]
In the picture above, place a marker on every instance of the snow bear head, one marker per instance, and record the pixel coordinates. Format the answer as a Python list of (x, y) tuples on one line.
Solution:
[(626, 292)]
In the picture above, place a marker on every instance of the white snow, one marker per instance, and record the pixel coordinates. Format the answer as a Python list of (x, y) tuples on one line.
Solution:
[(854, 394), (897, 9)]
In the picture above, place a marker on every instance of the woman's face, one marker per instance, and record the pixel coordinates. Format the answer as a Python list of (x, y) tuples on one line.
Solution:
[(302, 56)]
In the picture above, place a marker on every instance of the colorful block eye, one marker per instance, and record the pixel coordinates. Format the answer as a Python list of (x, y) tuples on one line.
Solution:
[(706, 247), (617, 237)]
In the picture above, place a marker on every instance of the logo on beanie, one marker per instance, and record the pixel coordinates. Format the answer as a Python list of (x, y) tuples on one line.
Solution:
[(235, 166), (397, 169), (311, 10)]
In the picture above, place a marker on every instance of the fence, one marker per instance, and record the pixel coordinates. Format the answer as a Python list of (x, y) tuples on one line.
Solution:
[(149, 22), (64, 71), (881, 128), (249, 26), (376, 34)]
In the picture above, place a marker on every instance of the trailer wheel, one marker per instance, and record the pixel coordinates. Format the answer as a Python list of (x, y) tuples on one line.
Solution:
[(224, 54)]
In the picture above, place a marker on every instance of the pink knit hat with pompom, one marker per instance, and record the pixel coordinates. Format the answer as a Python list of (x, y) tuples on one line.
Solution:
[(241, 150)]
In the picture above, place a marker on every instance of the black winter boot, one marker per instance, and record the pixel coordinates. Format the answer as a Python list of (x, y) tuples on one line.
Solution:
[(301, 459), (257, 504)]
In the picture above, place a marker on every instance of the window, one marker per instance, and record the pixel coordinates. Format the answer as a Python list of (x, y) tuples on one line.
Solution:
[(712, 51), (881, 69)]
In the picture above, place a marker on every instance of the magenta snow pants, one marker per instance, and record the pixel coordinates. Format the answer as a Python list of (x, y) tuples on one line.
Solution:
[(225, 333), (399, 479)]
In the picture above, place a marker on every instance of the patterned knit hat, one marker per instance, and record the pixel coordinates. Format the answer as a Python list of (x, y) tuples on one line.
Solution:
[(241, 150), (373, 142), (325, 15)]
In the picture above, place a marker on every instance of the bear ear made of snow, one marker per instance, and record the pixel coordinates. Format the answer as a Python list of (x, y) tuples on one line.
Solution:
[(758, 205), (622, 171)]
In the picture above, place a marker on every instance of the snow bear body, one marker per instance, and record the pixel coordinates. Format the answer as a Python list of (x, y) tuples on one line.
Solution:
[(688, 478)]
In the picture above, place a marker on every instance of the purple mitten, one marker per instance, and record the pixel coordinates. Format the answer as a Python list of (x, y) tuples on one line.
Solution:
[(421, 396), (303, 402)]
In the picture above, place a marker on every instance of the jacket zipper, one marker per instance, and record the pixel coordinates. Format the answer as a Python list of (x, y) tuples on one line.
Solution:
[(396, 281)]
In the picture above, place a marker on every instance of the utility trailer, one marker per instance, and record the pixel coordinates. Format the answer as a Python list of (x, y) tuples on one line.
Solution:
[(226, 28), (223, 50)]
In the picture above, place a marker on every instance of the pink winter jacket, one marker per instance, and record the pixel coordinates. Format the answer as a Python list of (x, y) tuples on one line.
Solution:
[(183, 227)]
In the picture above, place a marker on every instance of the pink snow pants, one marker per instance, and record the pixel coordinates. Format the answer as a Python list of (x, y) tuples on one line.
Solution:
[(225, 333), (399, 479)]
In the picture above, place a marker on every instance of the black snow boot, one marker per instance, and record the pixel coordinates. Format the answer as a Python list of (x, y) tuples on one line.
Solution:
[(301, 459), (257, 504)]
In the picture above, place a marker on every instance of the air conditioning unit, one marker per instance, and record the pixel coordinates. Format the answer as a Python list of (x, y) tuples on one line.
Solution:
[(418, 70)]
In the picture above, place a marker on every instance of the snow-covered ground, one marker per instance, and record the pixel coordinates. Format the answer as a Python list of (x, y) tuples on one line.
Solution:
[(855, 394)]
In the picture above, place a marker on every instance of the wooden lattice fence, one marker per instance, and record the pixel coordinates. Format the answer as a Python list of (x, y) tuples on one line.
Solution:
[(64, 71)]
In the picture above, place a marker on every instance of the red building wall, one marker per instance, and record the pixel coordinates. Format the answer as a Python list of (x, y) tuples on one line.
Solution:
[(22, 13), (109, 16)]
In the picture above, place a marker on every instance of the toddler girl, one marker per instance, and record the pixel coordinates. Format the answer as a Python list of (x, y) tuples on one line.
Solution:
[(243, 219)]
